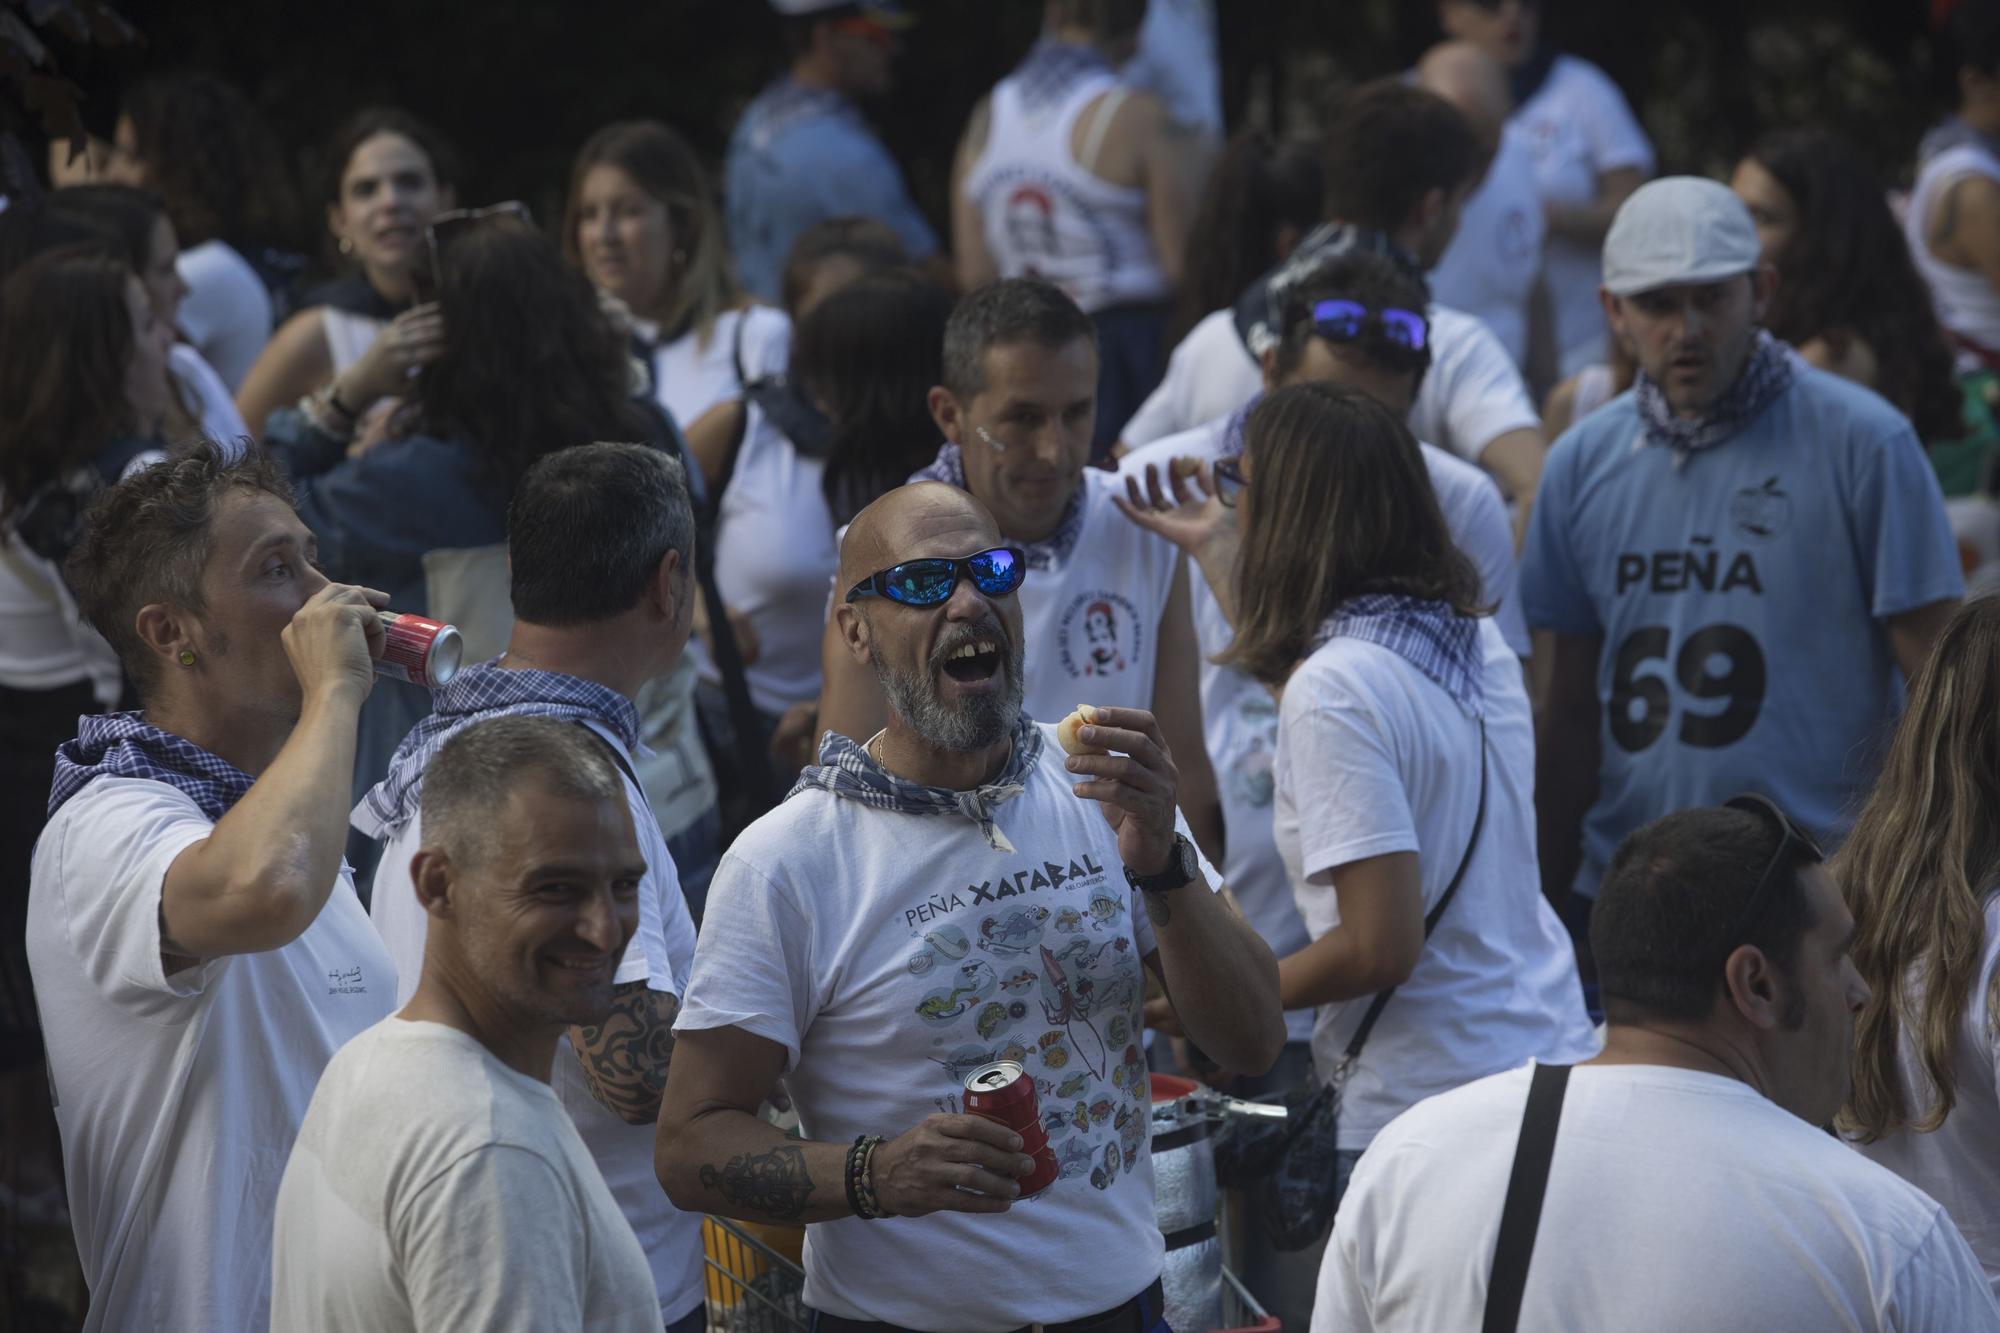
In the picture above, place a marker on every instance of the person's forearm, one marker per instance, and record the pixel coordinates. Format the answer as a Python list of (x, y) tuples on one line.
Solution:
[(1331, 969), (1221, 976), (625, 1058), (260, 879), (1566, 759), (728, 1162)]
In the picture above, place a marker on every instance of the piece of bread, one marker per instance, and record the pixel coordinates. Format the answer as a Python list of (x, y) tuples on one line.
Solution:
[(1081, 716)]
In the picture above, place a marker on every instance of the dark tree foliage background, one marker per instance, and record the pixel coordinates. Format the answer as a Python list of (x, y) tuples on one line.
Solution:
[(519, 83)]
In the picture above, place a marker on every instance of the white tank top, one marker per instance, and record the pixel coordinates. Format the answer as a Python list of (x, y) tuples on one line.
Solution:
[(1044, 216), (348, 335), (1966, 302), (1093, 625)]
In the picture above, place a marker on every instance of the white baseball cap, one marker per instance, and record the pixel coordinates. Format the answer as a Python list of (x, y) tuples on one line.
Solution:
[(885, 12), (1675, 230)]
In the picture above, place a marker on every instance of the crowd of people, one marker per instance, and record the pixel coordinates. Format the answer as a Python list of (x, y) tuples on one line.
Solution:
[(1434, 624)]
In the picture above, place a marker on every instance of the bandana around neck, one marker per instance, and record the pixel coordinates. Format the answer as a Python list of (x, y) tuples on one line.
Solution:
[(487, 690), (1430, 636), (1050, 553), (125, 745), (1052, 68), (1766, 373), (850, 772)]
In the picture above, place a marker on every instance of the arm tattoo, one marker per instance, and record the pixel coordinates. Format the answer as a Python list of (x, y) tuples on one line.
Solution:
[(1159, 907), (772, 1184), (625, 1058)]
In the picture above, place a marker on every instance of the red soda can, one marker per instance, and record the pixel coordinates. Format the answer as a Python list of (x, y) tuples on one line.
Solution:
[(418, 650), (1003, 1093)]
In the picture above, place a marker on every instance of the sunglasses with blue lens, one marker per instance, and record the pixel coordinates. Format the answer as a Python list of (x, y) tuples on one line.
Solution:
[(1345, 321), (930, 582)]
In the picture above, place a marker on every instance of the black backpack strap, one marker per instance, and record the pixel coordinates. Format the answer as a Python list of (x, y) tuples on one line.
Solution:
[(1521, 1216), (1381, 1000)]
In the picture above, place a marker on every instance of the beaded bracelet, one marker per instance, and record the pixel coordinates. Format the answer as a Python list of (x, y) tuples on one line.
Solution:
[(860, 1179)]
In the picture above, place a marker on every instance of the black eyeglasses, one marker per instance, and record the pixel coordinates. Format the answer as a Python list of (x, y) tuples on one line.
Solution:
[(1345, 321), (453, 224), (1229, 480), (1794, 844), (930, 582)]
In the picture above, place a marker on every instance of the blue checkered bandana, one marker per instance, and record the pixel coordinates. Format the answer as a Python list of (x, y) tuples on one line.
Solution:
[(487, 690), (125, 745), (1051, 69), (847, 770), (1430, 636), (1053, 551)]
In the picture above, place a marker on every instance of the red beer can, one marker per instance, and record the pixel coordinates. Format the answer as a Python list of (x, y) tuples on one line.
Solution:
[(418, 650), (1003, 1093)]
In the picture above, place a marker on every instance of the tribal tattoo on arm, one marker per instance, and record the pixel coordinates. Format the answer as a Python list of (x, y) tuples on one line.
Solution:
[(624, 1059), (775, 1184)]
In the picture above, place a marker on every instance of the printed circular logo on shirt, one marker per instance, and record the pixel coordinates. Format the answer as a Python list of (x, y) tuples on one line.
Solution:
[(1761, 512), (1100, 635)]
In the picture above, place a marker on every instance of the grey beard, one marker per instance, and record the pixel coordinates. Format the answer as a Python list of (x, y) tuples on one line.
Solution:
[(983, 721)]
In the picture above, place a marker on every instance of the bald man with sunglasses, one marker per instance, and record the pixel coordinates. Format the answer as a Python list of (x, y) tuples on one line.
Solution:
[(951, 894)]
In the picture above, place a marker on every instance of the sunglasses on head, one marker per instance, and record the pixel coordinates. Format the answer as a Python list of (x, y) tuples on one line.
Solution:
[(1794, 844), (930, 582), (454, 224), (1345, 321)]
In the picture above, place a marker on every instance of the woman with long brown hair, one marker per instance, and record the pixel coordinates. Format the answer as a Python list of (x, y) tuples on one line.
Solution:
[(1920, 872), (1404, 764)]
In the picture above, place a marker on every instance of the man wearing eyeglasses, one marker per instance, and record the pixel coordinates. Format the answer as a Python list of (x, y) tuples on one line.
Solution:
[(1729, 566), (1680, 1179), (1016, 408), (950, 893), (802, 153)]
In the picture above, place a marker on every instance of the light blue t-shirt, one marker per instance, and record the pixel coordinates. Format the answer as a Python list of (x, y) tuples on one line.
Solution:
[(800, 156), (1740, 595)]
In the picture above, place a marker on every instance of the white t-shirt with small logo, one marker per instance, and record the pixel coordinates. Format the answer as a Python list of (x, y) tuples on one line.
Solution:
[(178, 1096), (893, 954), (1092, 626), (1490, 267)]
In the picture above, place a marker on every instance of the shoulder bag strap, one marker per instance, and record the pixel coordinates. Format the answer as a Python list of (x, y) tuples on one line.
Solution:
[(614, 754), (1381, 1000), (1521, 1216)]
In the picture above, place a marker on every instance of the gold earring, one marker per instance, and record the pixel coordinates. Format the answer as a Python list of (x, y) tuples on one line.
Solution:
[(187, 657), (346, 246)]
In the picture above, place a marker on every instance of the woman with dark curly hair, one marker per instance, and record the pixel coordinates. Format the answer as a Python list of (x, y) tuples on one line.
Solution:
[(1848, 296), (527, 364), (199, 144)]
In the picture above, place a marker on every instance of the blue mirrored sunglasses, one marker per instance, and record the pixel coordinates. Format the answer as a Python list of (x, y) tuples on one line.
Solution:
[(1344, 321), (930, 582)]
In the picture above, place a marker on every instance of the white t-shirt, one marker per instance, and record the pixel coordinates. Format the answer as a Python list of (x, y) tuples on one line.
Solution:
[(1489, 269), (1676, 1200), (227, 312), (178, 1096), (1472, 394), (44, 641), (774, 557), (1578, 127), (1958, 1163), (889, 977), (660, 954), (208, 395), (1967, 303), (434, 1187), (690, 377), (1373, 758), (1240, 718)]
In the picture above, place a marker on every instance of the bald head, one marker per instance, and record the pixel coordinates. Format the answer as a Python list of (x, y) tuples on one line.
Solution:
[(1472, 81), (911, 522)]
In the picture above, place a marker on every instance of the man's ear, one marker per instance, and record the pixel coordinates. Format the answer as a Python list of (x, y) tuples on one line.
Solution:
[(1763, 286), (1755, 987), (855, 632), (667, 589), (435, 879), (945, 412), (167, 633), (1614, 310), (1430, 207)]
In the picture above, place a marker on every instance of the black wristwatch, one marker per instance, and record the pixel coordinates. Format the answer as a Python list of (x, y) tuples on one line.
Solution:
[(1183, 868)]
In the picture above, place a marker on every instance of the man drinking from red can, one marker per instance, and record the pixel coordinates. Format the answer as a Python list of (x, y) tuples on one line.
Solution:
[(947, 923)]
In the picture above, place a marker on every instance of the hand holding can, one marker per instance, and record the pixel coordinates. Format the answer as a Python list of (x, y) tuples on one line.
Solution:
[(333, 637), (419, 650)]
